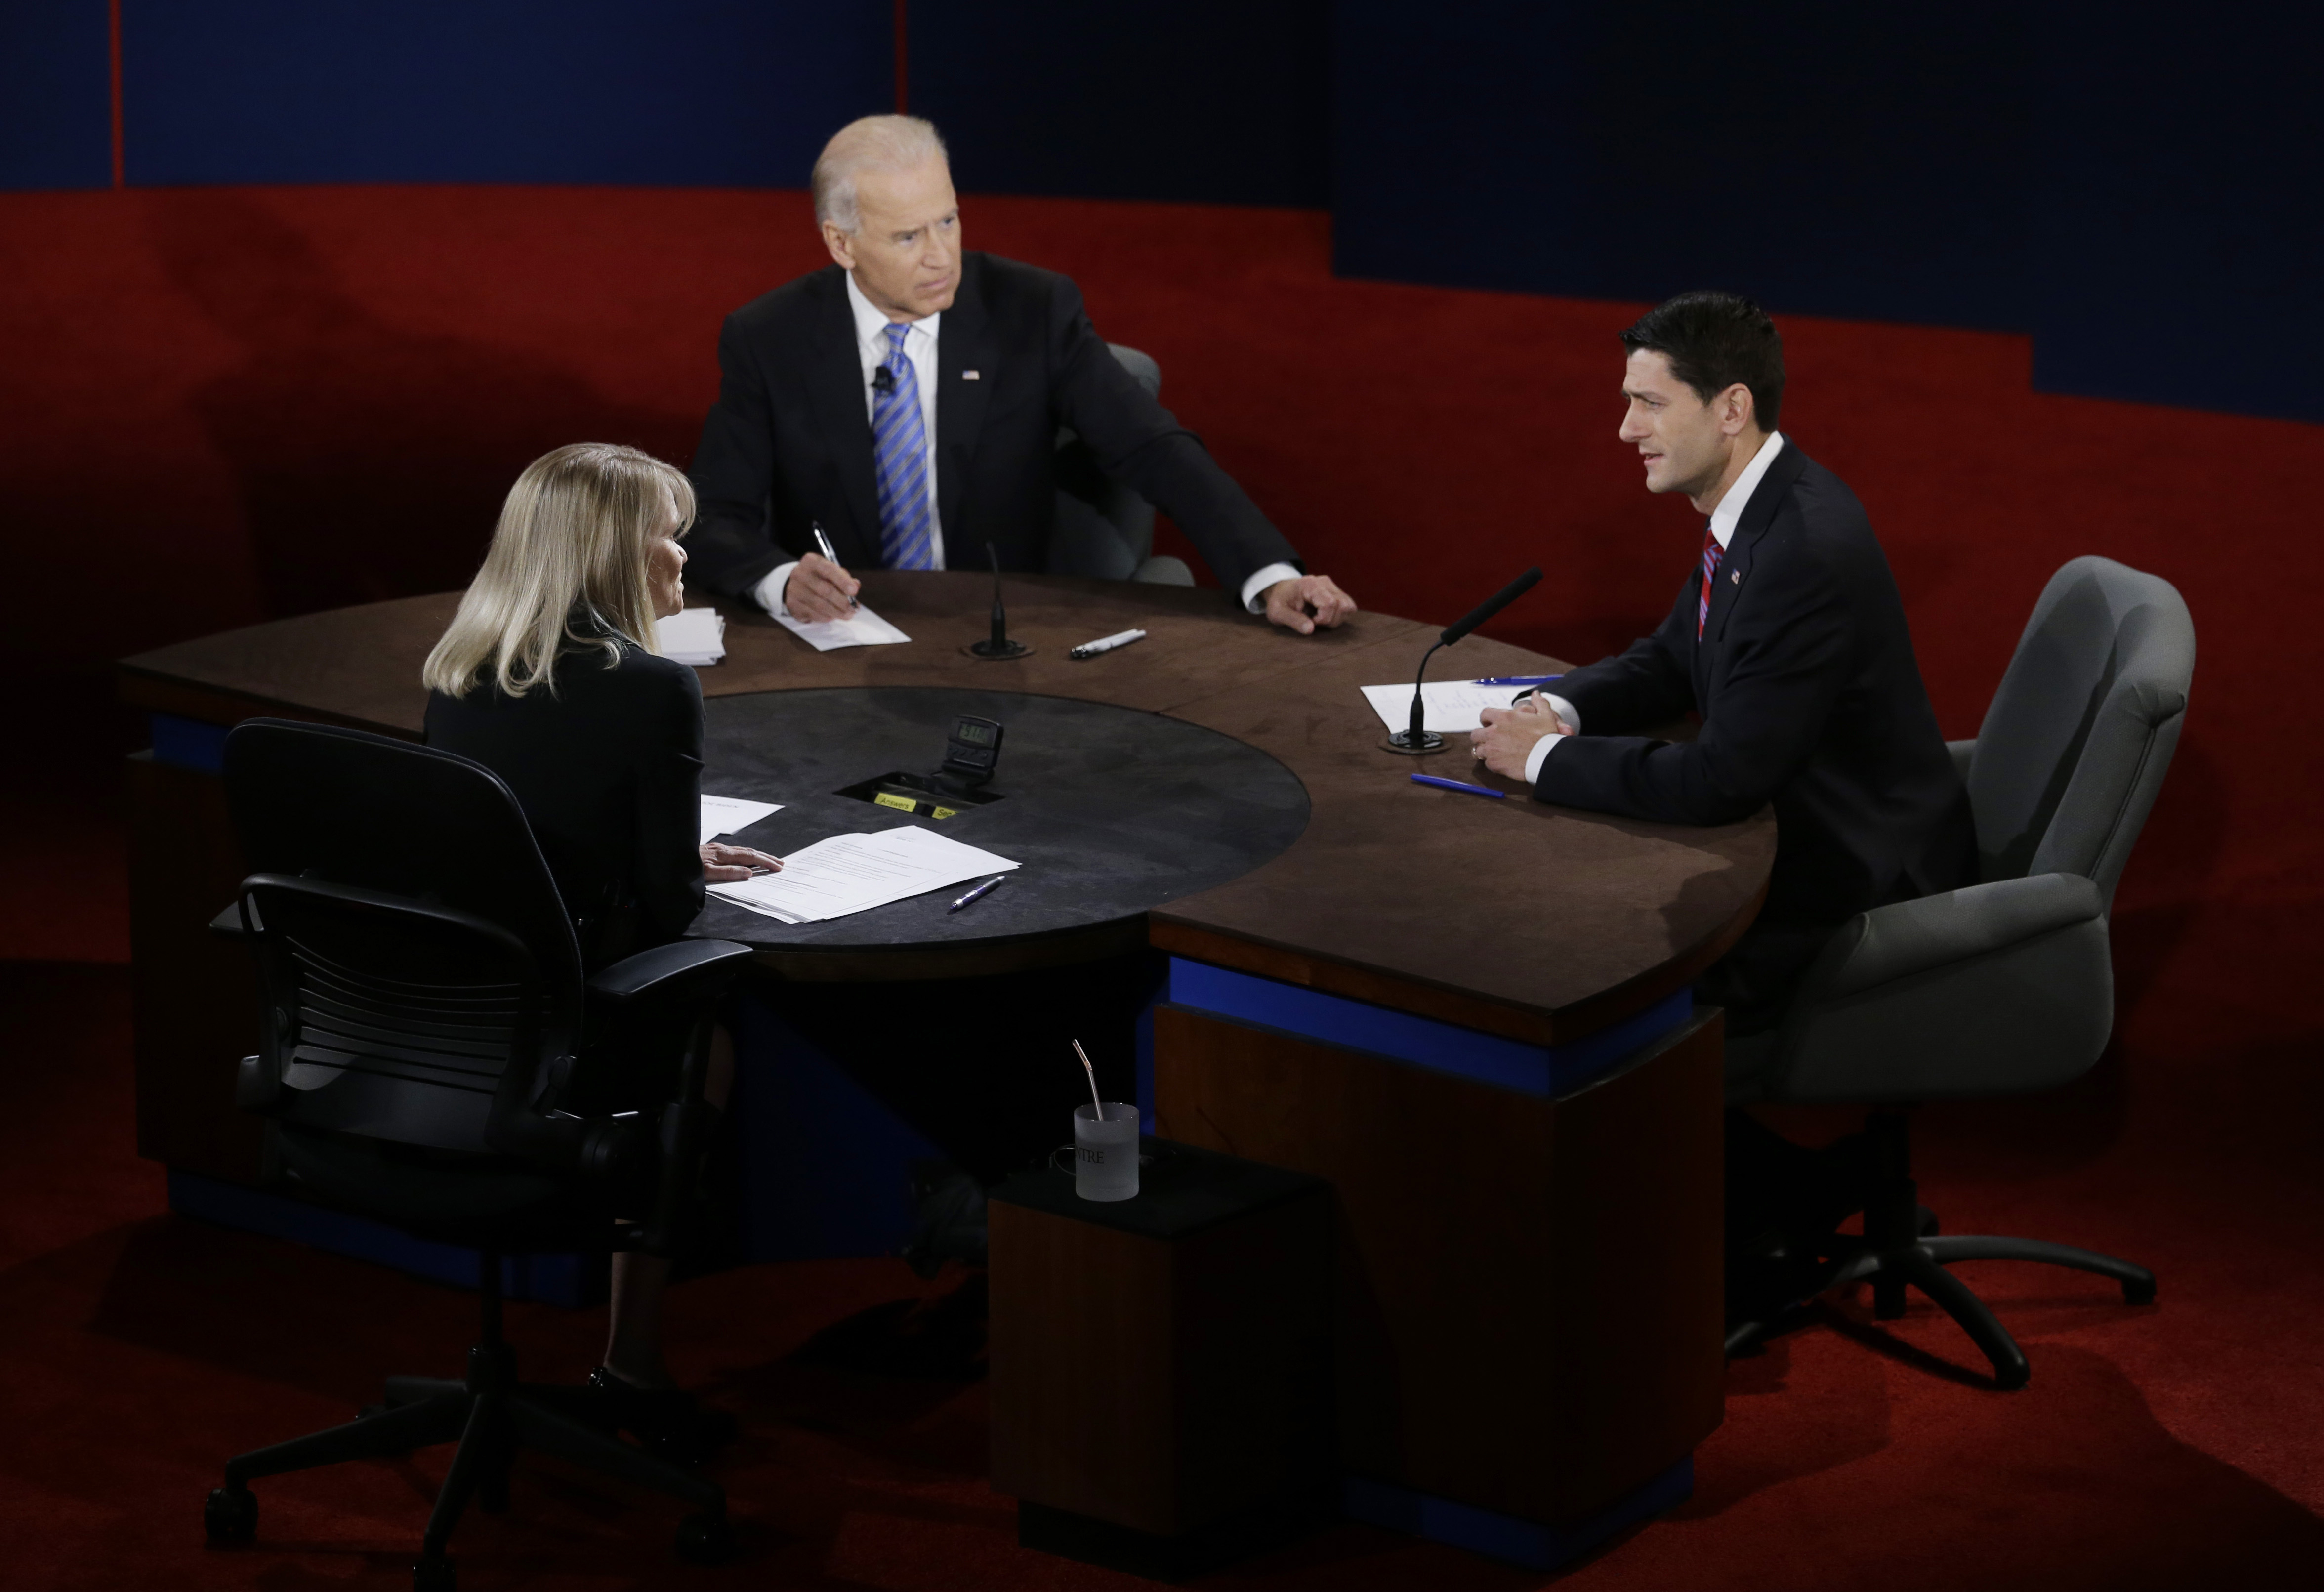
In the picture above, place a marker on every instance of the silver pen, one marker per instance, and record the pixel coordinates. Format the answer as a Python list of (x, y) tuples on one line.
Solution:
[(1106, 643), (822, 546)]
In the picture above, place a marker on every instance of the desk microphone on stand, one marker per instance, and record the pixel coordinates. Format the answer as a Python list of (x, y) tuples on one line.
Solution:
[(1417, 738), (998, 645)]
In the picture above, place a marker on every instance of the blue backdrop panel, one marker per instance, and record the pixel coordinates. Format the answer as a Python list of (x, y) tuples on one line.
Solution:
[(680, 92), (56, 94), (1212, 101), (2181, 223), (2140, 189), (1846, 159)]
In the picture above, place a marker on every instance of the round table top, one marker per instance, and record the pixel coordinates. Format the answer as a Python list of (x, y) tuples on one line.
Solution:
[(1517, 918), (1107, 811)]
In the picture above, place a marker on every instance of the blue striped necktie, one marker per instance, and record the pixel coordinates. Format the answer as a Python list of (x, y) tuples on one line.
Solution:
[(899, 456), (1712, 555)]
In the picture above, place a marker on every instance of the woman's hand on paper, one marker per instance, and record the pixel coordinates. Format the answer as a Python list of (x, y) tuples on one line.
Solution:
[(725, 865)]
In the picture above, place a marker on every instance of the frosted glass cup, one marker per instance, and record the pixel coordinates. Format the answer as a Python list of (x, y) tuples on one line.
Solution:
[(1105, 1153)]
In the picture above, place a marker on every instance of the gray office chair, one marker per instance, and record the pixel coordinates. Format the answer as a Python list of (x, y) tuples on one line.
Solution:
[(1103, 529), (2007, 986)]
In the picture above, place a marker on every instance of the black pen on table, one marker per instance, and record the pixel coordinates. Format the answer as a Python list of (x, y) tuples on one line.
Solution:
[(822, 546), (973, 895)]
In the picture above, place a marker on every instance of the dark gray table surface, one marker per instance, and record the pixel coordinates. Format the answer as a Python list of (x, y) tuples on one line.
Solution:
[(1110, 812)]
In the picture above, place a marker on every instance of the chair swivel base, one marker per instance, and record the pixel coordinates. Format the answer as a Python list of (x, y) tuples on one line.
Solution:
[(1921, 1262), (491, 1415)]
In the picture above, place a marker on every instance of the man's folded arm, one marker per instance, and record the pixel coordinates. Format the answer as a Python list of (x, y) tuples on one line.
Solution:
[(1141, 444), (733, 472), (1645, 685), (1770, 713)]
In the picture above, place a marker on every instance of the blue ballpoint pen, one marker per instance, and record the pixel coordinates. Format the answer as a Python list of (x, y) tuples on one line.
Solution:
[(1460, 785), (973, 895)]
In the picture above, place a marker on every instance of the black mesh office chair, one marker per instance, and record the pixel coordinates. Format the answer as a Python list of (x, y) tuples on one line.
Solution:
[(432, 1057), (2005, 988)]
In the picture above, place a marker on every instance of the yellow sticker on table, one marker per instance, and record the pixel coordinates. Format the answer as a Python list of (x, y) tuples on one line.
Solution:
[(944, 812), (902, 803)]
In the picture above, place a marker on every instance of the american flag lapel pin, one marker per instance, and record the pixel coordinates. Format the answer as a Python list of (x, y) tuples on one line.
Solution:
[(1736, 576), (972, 375)]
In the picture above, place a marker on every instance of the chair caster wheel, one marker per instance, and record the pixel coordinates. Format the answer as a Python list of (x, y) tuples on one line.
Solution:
[(704, 1538), (2138, 1293), (435, 1575), (2010, 1378), (1925, 1222), (231, 1515)]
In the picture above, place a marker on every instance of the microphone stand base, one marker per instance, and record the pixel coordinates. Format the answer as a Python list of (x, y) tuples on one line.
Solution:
[(988, 653), (1405, 745)]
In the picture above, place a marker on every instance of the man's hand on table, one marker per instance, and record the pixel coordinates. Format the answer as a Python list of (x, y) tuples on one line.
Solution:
[(1305, 602), (1511, 734), (820, 590), (728, 865)]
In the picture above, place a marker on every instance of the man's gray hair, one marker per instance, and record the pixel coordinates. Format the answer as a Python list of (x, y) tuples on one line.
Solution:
[(871, 143)]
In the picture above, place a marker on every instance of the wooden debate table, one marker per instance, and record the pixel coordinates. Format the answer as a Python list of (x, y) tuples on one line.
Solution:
[(1470, 1016)]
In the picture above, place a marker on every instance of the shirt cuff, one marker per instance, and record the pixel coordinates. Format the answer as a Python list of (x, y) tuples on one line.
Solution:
[(1254, 590), (1539, 756), (769, 593), (1564, 709)]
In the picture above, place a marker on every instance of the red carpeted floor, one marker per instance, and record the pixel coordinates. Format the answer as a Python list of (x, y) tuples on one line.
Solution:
[(217, 406)]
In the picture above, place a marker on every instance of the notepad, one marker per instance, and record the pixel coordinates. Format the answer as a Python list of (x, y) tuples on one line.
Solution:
[(849, 873), (731, 815), (696, 636), (1453, 706), (862, 628)]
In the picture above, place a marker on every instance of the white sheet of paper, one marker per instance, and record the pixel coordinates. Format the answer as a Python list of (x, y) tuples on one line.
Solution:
[(855, 872), (1453, 705), (862, 628), (726, 815), (696, 636)]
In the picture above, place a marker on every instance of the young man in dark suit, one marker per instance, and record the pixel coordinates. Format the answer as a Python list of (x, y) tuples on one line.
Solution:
[(1788, 638), (907, 399)]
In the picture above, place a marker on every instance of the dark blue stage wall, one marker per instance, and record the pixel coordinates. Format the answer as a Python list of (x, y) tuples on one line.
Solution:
[(2144, 193), (1212, 101), (684, 92), (56, 94)]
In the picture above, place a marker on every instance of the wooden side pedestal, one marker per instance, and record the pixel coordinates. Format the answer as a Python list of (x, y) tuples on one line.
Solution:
[(1161, 1366), (1529, 1311)]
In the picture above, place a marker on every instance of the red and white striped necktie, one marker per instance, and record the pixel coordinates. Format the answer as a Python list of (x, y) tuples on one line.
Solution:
[(1712, 553)]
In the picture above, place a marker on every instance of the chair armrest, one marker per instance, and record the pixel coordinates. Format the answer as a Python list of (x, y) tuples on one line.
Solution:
[(1999, 989), (1912, 937), (1962, 752), (228, 923), (667, 966)]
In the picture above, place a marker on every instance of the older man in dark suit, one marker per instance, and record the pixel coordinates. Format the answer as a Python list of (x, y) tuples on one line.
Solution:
[(906, 398)]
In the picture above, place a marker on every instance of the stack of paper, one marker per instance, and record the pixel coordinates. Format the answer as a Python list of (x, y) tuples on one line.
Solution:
[(855, 872), (1453, 705), (731, 815), (862, 628), (696, 636)]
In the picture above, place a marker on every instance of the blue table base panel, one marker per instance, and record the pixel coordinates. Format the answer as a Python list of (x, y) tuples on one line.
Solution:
[(573, 1281), (1547, 1072), (1528, 1543)]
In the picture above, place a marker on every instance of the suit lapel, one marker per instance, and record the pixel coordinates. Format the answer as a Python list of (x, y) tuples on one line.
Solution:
[(835, 378), (1734, 568), (964, 344)]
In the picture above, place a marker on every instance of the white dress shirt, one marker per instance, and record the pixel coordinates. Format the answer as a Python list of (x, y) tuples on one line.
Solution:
[(920, 348), (1723, 521)]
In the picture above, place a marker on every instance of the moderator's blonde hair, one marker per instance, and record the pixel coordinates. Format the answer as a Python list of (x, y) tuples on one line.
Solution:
[(573, 536)]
